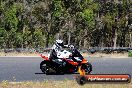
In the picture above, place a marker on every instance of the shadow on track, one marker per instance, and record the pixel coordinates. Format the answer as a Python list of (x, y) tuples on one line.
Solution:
[(39, 73), (58, 74)]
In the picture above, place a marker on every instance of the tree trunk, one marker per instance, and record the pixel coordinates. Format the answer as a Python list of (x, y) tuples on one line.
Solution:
[(123, 41), (115, 39), (57, 36), (130, 44), (80, 44), (71, 27), (69, 38), (48, 30), (85, 43), (47, 37), (47, 40), (85, 39)]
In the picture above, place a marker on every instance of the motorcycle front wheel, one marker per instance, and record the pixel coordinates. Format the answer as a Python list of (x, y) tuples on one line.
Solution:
[(87, 67)]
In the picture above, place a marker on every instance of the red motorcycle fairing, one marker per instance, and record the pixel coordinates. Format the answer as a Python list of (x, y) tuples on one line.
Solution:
[(71, 62), (44, 57), (84, 61)]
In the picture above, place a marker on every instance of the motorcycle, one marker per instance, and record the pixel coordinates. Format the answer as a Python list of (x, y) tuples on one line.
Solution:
[(72, 61)]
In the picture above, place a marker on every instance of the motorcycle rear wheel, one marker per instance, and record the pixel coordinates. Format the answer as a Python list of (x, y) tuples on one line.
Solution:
[(49, 70), (44, 68)]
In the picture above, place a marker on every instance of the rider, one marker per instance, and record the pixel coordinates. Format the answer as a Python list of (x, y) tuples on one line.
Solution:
[(57, 47)]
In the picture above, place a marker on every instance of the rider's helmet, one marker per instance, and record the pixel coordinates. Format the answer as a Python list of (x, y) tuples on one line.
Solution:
[(71, 47), (59, 42)]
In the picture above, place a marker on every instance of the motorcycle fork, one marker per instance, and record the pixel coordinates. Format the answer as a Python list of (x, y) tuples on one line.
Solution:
[(81, 71)]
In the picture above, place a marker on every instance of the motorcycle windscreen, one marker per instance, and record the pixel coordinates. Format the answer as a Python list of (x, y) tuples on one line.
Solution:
[(76, 53), (78, 58)]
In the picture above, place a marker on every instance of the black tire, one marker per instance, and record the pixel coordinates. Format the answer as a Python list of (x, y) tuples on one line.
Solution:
[(47, 69), (44, 67), (87, 67), (81, 80)]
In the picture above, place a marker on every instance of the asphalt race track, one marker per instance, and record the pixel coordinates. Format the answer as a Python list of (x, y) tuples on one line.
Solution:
[(27, 68)]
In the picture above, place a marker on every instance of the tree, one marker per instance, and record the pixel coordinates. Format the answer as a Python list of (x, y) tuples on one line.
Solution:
[(10, 23)]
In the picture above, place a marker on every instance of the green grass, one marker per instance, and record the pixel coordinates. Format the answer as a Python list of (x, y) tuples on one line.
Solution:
[(60, 84), (130, 53)]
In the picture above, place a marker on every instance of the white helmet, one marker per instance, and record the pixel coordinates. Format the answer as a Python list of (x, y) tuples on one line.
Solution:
[(59, 42), (71, 47)]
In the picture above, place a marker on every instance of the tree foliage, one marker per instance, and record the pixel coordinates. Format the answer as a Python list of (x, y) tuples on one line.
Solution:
[(83, 23)]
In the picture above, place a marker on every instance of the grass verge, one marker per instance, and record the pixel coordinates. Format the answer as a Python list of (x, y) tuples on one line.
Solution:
[(130, 53), (113, 55), (18, 54), (60, 84)]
